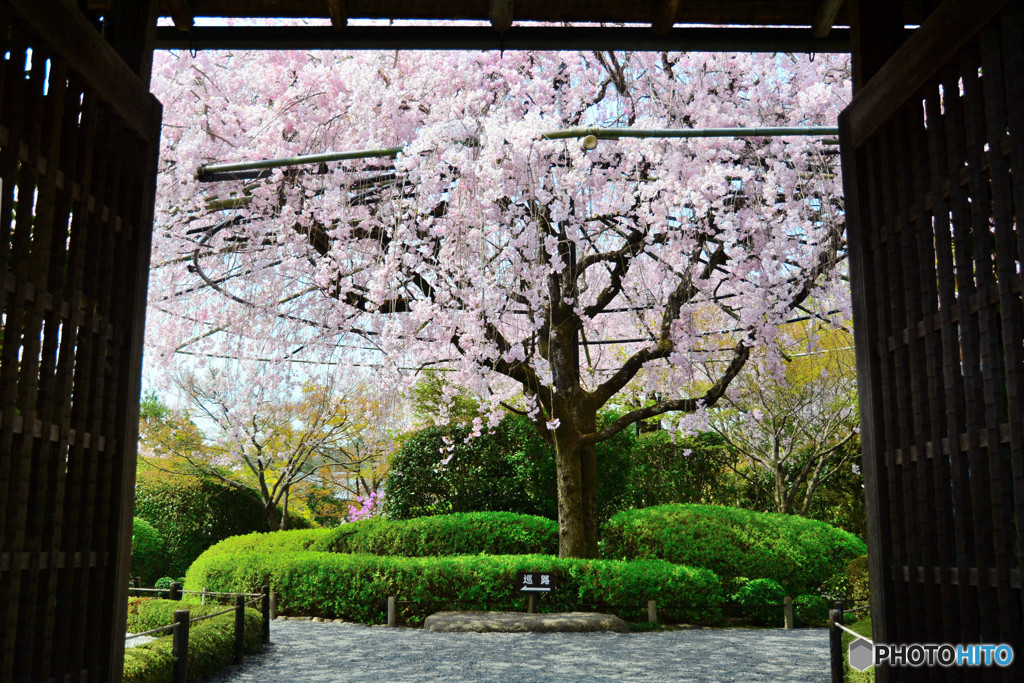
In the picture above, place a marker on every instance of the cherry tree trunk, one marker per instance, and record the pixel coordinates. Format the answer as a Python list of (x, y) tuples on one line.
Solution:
[(577, 486)]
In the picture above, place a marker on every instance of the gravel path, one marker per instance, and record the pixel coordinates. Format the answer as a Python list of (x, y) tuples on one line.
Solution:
[(317, 652)]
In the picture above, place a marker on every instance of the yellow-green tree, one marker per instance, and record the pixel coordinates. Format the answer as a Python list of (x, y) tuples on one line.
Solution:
[(792, 425), (321, 445)]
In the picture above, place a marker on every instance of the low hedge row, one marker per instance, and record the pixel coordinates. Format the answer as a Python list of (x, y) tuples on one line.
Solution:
[(799, 553), (356, 587), (211, 643), (272, 542), (467, 533)]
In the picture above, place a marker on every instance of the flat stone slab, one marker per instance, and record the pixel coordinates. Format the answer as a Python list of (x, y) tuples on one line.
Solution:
[(521, 622)]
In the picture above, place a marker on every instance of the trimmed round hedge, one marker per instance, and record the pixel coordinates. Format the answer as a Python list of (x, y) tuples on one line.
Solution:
[(799, 553), (468, 533), (356, 587)]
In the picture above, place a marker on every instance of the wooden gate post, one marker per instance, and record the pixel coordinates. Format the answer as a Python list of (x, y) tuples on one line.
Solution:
[(239, 629), (179, 646)]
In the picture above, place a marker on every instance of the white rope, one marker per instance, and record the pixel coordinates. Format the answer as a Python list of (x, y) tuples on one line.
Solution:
[(854, 633)]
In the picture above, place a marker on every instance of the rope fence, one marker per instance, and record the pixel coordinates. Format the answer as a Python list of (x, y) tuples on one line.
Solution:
[(149, 633), (835, 638), (183, 620)]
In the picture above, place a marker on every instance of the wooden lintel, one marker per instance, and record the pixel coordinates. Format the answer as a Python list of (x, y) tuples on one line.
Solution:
[(665, 17), (338, 12), (824, 17), (182, 14), (500, 13)]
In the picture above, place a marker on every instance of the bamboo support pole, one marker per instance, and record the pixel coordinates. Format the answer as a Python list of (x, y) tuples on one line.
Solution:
[(206, 170)]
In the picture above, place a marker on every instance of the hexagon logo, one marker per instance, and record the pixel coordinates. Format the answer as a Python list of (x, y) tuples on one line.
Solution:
[(862, 654)]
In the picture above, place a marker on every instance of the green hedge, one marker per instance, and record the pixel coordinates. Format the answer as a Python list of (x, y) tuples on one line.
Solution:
[(211, 643), (148, 556), (799, 553), (276, 541), (470, 533), (356, 587)]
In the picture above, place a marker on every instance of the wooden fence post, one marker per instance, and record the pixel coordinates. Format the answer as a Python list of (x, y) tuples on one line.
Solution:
[(175, 593), (179, 645), (239, 629), (835, 644), (265, 604), (787, 606), (203, 599), (652, 611), (273, 605), (392, 609)]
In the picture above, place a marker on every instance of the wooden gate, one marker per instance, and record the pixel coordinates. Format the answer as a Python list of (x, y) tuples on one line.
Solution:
[(78, 146), (933, 161)]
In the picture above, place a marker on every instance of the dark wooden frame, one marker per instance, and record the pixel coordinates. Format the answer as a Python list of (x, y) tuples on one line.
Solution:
[(935, 258), (79, 136), (938, 313)]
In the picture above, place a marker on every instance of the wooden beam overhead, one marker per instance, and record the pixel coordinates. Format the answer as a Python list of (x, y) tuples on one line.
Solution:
[(665, 17), (338, 13), (824, 17), (182, 15), (500, 14)]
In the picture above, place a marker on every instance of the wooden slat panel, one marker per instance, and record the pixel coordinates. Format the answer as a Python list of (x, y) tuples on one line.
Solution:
[(945, 33), (934, 210), (74, 252)]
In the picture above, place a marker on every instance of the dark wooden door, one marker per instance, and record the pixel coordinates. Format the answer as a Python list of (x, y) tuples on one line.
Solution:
[(79, 140), (933, 161)]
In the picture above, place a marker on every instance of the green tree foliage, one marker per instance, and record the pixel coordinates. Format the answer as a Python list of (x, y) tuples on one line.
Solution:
[(690, 469), (191, 513), (511, 469), (149, 557)]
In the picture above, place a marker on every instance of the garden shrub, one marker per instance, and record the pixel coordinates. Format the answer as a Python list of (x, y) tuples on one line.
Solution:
[(857, 575), (148, 555), (763, 592), (470, 533), (798, 553), (211, 643), (356, 587), (163, 582), (810, 610)]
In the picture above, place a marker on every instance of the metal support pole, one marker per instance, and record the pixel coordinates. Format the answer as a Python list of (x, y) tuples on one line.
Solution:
[(179, 645), (531, 603)]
